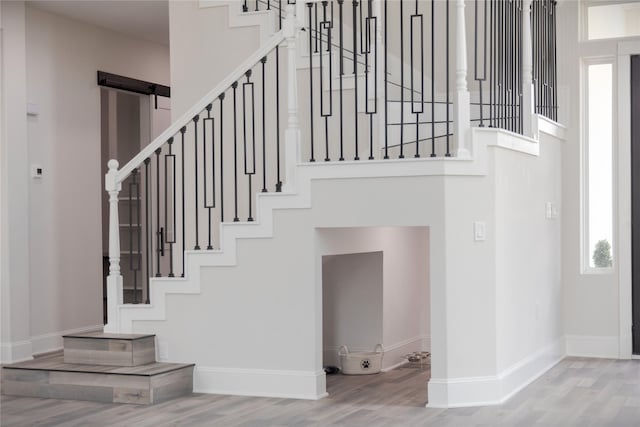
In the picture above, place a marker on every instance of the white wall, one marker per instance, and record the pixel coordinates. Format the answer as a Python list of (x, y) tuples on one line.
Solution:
[(14, 186), (528, 255), (351, 303), (204, 49), (406, 302), (60, 214)]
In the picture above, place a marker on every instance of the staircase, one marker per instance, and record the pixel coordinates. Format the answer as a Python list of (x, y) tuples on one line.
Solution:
[(233, 194), (99, 367)]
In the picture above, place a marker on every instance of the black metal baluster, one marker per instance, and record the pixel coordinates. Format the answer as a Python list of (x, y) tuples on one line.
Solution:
[(184, 237), (417, 17), (340, 4), (355, 75), (326, 25), (386, 86), (491, 63), (448, 103), (134, 230), (278, 180), (195, 167), (370, 26), (555, 60), (159, 240), (212, 204), (257, 2), (235, 153), (401, 156), (221, 99), (315, 11), (170, 231), (245, 8), (433, 80), (310, 6), (147, 254), (249, 165), (263, 61)]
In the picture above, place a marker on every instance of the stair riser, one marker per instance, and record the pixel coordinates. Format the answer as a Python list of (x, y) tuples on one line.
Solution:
[(109, 352), (106, 388)]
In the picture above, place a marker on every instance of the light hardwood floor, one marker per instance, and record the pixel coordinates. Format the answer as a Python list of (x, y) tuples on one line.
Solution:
[(576, 392)]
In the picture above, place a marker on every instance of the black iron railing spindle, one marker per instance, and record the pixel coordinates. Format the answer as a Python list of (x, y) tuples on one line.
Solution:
[(183, 130), (433, 80), (310, 7), (341, 60), (417, 20), (221, 107), (324, 112), (209, 203), (235, 153), (159, 239), (355, 77), (170, 159), (195, 169), (249, 146), (147, 220), (263, 61)]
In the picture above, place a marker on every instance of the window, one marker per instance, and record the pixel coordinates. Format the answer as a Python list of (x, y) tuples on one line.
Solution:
[(598, 179), (606, 21)]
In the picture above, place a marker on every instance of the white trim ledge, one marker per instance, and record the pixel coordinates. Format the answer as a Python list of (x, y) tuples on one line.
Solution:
[(494, 389), (307, 385)]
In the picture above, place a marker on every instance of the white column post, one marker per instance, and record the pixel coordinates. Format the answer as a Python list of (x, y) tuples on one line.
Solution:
[(114, 280), (292, 134), (462, 123), (528, 108)]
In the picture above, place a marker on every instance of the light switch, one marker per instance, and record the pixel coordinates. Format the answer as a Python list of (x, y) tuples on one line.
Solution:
[(36, 171), (479, 231)]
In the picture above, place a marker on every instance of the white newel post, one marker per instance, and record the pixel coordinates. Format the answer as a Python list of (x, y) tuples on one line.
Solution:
[(528, 108), (292, 134), (114, 280), (462, 113)]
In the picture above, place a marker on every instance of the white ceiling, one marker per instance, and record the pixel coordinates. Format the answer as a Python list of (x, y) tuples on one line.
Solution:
[(144, 19)]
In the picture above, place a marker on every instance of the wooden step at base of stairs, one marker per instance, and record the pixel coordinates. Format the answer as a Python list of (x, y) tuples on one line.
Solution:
[(99, 348), (50, 377)]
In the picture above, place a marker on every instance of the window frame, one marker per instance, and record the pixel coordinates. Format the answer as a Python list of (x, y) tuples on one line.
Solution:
[(586, 250)]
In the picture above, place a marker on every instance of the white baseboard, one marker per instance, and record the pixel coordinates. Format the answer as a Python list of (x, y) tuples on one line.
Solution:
[(593, 346), (52, 341), (16, 351), (494, 390), (259, 382)]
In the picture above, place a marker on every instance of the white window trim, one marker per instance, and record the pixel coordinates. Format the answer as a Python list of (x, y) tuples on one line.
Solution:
[(583, 23), (584, 169)]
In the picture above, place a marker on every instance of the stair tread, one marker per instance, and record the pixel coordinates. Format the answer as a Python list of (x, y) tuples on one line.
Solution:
[(108, 336), (56, 363)]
